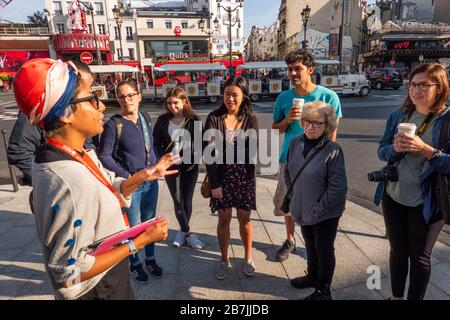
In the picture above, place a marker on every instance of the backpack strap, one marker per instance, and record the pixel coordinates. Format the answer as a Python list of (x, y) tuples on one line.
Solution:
[(119, 126), (145, 122)]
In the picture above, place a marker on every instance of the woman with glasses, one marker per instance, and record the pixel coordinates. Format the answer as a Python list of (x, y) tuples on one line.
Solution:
[(318, 195), (78, 201), (126, 146), (412, 220)]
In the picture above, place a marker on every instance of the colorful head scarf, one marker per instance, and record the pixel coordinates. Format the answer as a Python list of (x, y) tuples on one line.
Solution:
[(43, 89)]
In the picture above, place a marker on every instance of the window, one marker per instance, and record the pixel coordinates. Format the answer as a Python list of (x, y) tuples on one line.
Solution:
[(129, 33), (131, 54), (99, 8), (199, 47), (57, 7), (116, 33), (168, 24), (60, 27), (101, 29), (238, 34), (119, 54), (150, 24), (90, 28), (184, 24)]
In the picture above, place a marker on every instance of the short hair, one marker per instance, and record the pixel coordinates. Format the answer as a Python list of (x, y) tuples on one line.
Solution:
[(179, 93), (438, 74), (321, 108), (300, 55)]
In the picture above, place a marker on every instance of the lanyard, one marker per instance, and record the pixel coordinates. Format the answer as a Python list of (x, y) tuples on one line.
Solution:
[(87, 162), (144, 124)]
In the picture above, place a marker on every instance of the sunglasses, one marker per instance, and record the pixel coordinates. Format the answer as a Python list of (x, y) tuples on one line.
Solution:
[(93, 99)]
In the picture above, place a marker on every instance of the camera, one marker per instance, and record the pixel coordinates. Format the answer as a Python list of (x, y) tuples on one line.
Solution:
[(387, 173)]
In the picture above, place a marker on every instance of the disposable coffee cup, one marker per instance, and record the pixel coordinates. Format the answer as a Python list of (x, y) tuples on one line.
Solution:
[(408, 129), (298, 103)]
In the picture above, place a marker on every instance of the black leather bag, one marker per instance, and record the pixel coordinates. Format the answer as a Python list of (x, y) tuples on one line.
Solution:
[(287, 200), (441, 182)]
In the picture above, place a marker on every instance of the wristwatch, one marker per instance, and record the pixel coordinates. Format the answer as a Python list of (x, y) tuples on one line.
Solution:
[(131, 246), (435, 153)]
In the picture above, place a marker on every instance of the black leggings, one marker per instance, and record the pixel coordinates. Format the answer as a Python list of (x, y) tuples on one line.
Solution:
[(410, 239), (319, 244), (182, 195)]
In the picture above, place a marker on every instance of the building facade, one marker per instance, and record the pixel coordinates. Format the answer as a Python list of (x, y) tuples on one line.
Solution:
[(290, 21), (20, 44)]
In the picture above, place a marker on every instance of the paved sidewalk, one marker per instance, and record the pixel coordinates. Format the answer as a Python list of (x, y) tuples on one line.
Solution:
[(190, 274)]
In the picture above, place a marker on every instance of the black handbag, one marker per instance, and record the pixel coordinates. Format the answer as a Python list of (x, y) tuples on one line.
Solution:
[(441, 182), (287, 200)]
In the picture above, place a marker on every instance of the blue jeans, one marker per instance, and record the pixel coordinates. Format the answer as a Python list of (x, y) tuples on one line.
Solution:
[(143, 207)]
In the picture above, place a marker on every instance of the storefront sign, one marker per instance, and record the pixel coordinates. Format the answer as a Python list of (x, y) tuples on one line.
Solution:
[(11, 61), (178, 56)]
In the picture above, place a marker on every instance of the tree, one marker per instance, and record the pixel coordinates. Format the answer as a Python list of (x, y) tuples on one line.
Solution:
[(384, 5), (39, 18)]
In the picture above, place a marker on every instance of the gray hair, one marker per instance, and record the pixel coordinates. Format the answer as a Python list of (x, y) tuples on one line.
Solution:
[(321, 108)]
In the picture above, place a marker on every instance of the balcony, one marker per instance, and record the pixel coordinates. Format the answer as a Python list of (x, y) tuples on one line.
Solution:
[(80, 42), (10, 31)]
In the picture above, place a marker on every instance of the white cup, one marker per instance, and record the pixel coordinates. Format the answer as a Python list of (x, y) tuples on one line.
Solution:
[(298, 103), (408, 129)]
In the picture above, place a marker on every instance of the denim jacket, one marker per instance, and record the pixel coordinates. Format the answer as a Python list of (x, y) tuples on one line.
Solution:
[(440, 163)]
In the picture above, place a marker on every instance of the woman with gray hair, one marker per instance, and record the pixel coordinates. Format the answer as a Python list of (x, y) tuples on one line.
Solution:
[(318, 195)]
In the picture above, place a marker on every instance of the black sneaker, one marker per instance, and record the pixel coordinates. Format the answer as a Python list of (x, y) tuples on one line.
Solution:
[(283, 252), (303, 282), (138, 273), (153, 268), (319, 295)]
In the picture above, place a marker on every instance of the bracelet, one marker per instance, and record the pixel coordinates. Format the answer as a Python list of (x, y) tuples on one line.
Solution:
[(435, 153), (132, 247)]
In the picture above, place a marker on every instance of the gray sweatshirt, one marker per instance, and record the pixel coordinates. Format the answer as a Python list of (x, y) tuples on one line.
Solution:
[(320, 191), (72, 210)]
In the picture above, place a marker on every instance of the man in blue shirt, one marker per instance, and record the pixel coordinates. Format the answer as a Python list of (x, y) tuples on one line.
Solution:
[(300, 67)]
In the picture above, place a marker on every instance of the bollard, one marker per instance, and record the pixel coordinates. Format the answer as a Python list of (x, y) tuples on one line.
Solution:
[(12, 172)]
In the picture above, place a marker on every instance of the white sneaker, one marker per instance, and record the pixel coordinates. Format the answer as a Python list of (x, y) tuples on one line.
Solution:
[(180, 239), (194, 242)]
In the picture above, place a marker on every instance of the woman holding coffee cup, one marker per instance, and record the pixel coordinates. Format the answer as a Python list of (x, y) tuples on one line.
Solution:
[(413, 221)]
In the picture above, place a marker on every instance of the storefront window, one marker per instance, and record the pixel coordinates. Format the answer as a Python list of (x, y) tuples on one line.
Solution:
[(174, 49), (199, 47)]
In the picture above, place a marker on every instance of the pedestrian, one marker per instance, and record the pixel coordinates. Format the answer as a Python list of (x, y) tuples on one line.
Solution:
[(232, 176), (174, 132), (318, 194), (413, 220), (81, 201), (286, 119), (125, 147)]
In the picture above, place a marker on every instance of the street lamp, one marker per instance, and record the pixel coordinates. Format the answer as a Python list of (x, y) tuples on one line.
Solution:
[(91, 10), (305, 17), (201, 26), (118, 16), (230, 10)]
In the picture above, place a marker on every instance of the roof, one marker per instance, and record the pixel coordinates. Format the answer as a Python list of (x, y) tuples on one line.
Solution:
[(112, 68), (278, 64), (190, 67), (264, 65), (24, 44)]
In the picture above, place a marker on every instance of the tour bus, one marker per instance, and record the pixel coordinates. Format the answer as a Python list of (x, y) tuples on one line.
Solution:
[(203, 85), (270, 78)]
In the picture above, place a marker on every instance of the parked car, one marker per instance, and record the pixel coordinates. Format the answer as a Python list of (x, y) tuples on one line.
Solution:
[(381, 78)]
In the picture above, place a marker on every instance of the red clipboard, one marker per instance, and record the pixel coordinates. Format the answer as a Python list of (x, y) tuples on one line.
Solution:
[(108, 243)]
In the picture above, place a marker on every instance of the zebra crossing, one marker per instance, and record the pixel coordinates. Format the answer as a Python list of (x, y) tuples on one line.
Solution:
[(8, 110)]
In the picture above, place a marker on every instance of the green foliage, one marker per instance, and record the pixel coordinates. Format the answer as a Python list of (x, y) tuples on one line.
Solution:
[(39, 18)]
